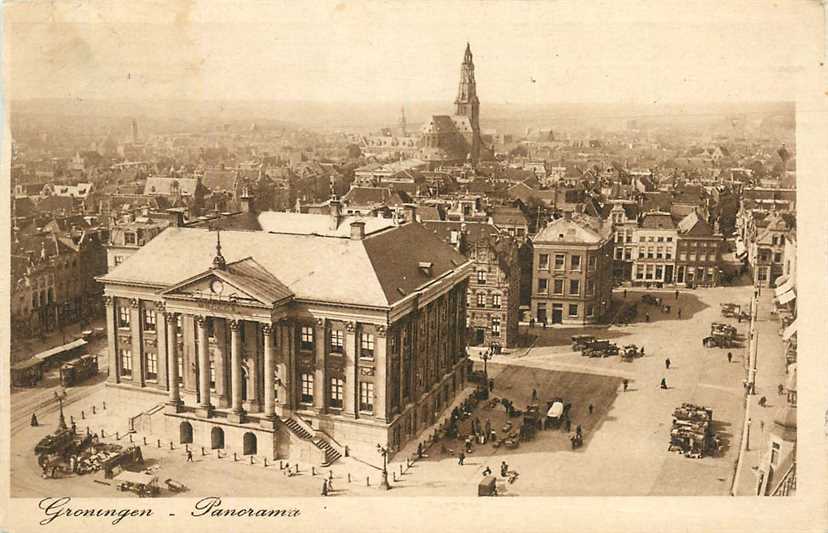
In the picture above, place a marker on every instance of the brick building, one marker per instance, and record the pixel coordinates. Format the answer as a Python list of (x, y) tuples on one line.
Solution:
[(699, 253)]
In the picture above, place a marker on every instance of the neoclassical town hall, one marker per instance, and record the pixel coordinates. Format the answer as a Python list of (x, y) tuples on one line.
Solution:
[(315, 333)]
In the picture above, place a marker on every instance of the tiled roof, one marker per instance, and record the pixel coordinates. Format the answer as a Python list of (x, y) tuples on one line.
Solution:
[(168, 186), (509, 216), (378, 270), (311, 224), (657, 220), (563, 230)]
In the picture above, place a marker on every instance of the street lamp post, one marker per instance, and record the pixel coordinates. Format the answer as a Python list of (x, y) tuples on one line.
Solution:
[(60, 395), (384, 452)]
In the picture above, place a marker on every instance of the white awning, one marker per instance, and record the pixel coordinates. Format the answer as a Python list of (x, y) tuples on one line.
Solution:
[(790, 330), (787, 297), (785, 287), (780, 280)]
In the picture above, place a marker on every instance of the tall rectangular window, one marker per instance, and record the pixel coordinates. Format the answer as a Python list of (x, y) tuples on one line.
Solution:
[(123, 317), (306, 338), (495, 300), (590, 287), (126, 362), (495, 327), (152, 365), (336, 392), (573, 309), (337, 339), (543, 261), (543, 285), (574, 287), (558, 286), (593, 262), (366, 345), (149, 320), (559, 261), (481, 299), (306, 381), (481, 277), (575, 262), (366, 397)]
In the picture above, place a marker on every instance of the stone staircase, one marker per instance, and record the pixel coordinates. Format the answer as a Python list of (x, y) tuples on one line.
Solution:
[(331, 454)]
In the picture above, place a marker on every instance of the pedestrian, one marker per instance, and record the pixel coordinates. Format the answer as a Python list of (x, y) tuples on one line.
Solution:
[(329, 482), (419, 450), (729, 357), (667, 363), (488, 427), (491, 385), (646, 317), (34, 420), (590, 408), (534, 395), (324, 488), (663, 383), (532, 323), (567, 424), (74, 428), (626, 384), (461, 459), (780, 389), (679, 312), (642, 351), (189, 456), (763, 401), (578, 430), (677, 293), (504, 469), (625, 294), (487, 471)]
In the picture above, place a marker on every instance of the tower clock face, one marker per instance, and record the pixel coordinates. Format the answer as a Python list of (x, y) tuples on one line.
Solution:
[(216, 286)]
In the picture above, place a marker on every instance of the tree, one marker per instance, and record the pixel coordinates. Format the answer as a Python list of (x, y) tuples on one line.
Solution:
[(354, 152)]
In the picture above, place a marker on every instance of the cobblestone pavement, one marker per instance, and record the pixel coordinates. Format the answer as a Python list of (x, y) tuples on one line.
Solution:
[(626, 436)]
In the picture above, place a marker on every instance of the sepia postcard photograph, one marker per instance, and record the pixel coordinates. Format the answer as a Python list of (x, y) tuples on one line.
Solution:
[(269, 258)]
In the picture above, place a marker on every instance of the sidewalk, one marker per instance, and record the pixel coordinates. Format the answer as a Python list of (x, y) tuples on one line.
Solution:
[(770, 373)]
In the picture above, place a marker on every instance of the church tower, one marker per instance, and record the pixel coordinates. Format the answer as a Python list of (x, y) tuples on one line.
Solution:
[(467, 103)]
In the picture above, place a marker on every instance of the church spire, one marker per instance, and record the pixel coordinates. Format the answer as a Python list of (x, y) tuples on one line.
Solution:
[(218, 261), (467, 104)]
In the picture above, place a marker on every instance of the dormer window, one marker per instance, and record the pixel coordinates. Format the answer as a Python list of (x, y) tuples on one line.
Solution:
[(426, 268)]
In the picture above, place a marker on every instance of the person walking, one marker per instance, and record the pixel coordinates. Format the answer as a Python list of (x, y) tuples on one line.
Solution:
[(677, 294), (667, 363), (590, 408), (34, 420), (504, 469), (189, 456), (534, 395), (324, 487), (461, 458), (679, 312), (646, 317), (625, 294), (729, 357), (663, 383), (626, 384), (487, 471)]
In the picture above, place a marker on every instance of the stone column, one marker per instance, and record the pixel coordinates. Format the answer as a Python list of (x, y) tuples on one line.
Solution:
[(289, 356), (380, 375), (111, 341), (137, 331), (351, 371), (172, 357), (205, 408), (320, 345), (269, 370), (237, 413)]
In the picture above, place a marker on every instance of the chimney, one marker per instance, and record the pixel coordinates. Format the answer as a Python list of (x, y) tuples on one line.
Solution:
[(336, 213), (177, 217), (410, 212), (247, 202), (357, 230)]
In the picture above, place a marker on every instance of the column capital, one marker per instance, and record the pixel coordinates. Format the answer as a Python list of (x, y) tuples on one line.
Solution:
[(201, 320), (235, 325), (381, 330), (350, 326), (267, 329), (161, 307), (108, 300), (134, 302), (320, 322), (172, 318)]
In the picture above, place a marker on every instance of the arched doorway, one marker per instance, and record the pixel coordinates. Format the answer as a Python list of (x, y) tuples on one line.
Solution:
[(249, 444), (244, 379), (217, 438), (185, 433)]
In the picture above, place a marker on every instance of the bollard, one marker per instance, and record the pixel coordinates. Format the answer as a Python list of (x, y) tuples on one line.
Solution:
[(145, 441), (117, 435), (251, 459), (130, 438), (313, 470), (104, 406), (159, 443), (394, 476), (265, 462), (281, 466), (203, 452), (83, 415), (103, 435), (330, 474), (235, 458), (71, 419), (367, 481), (401, 470), (171, 445), (297, 468), (93, 409), (349, 477), (87, 430)]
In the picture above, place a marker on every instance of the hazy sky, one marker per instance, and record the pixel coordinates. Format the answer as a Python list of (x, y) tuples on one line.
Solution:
[(613, 51)]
